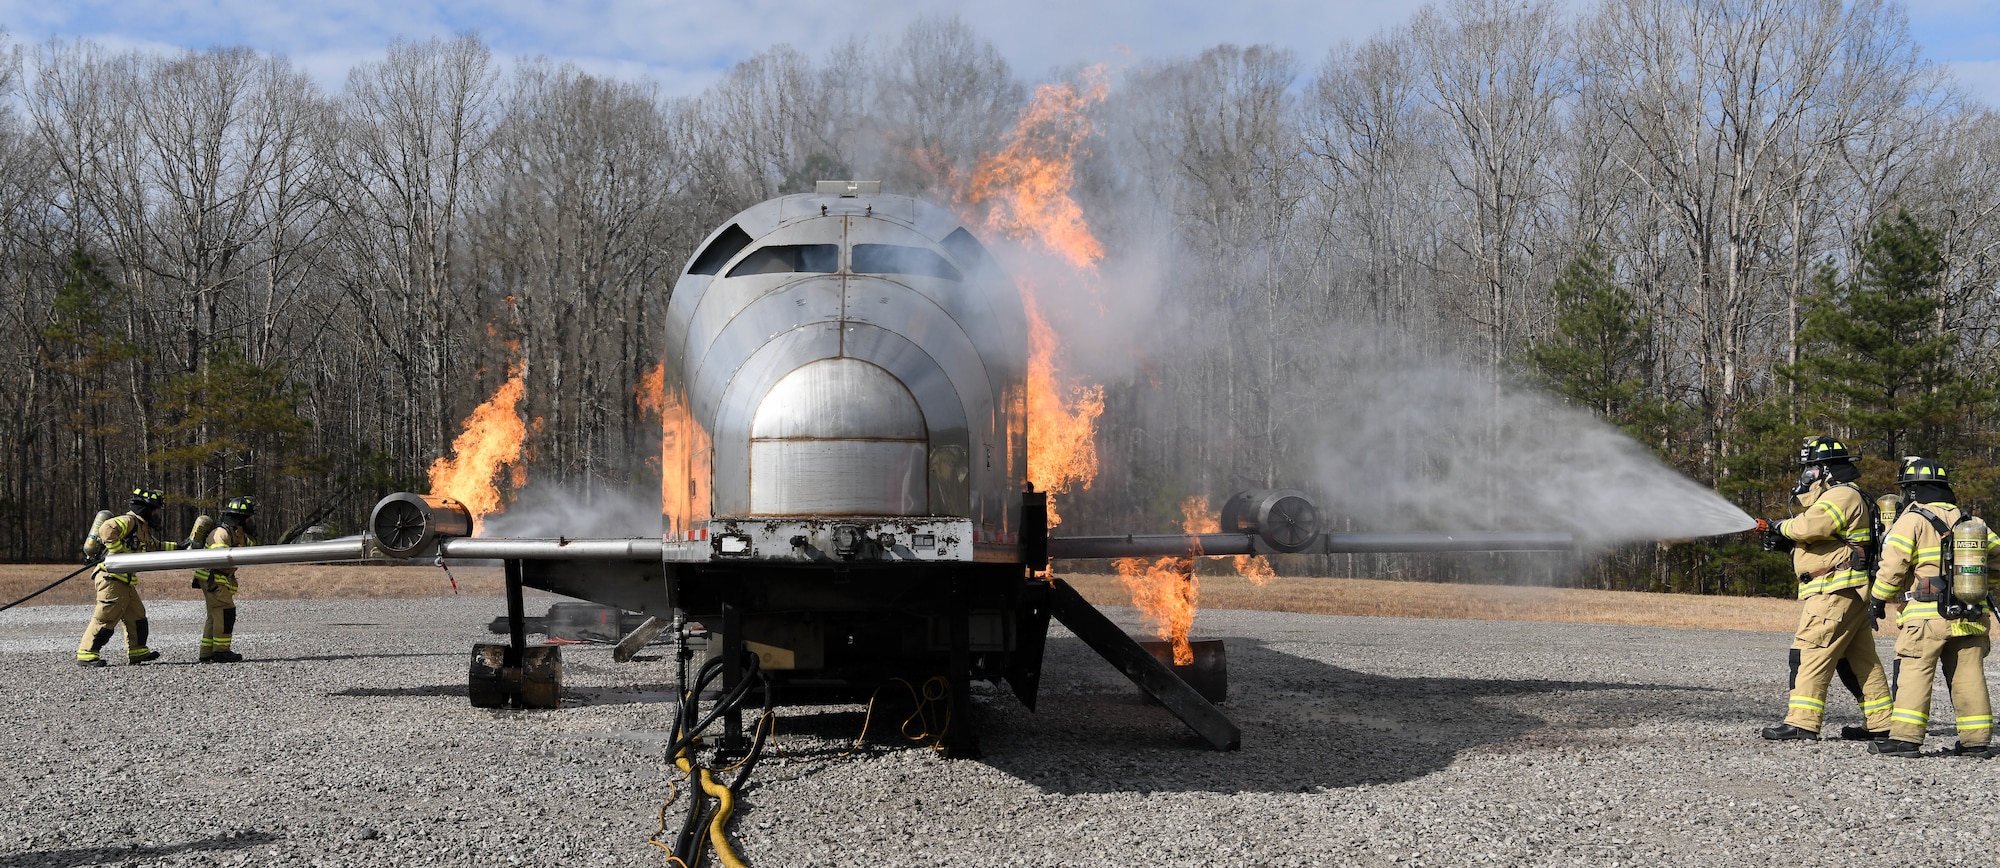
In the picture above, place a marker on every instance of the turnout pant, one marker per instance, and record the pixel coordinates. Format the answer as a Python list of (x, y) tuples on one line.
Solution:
[(117, 603), (221, 599), (1925, 644), (1834, 628)]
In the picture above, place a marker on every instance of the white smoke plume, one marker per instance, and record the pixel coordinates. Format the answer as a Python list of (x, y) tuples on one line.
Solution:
[(546, 508)]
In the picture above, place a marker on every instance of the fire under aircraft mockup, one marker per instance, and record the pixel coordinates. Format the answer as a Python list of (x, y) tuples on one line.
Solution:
[(847, 492)]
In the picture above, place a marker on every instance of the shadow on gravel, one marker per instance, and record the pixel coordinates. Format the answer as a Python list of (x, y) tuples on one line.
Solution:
[(328, 658), (130, 855), (457, 690), (1309, 725)]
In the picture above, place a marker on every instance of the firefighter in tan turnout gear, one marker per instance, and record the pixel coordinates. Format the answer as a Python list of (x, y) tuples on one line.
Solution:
[(1829, 542), (1934, 561), (218, 587), (118, 599)]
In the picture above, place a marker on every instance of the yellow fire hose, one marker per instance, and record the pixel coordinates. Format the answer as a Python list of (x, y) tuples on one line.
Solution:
[(725, 803)]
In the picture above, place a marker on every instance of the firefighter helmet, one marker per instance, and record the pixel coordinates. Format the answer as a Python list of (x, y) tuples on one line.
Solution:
[(1917, 470), (147, 499), (1822, 450), (243, 505)]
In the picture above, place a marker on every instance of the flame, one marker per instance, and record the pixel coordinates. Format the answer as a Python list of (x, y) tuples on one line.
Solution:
[(1062, 433), (651, 396), (1166, 590), (1201, 519), (1027, 184), (493, 441), (1025, 190)]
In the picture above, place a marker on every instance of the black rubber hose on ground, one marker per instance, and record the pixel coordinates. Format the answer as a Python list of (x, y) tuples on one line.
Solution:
[(47, 588)]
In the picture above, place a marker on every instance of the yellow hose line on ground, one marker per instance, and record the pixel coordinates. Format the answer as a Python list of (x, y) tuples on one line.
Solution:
[(726, 802)]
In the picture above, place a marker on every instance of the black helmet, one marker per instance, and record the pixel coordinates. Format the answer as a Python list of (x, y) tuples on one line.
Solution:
[(1822, 450), (1918, 470), (147, 499), (241, 505)]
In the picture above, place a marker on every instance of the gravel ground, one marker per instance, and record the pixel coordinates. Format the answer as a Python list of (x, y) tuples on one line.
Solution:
[(346, 740)]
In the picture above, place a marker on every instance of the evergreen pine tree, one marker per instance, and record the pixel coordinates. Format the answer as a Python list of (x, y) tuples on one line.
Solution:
[(1876, 364)]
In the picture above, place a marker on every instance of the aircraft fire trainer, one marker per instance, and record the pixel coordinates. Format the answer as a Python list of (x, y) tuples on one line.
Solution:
[(847, 496)]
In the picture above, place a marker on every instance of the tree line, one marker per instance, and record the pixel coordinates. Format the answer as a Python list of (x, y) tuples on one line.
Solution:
[(1717, 224)]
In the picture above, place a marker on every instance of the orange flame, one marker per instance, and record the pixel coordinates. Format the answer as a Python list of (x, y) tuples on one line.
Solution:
[(651, 396), (1027, 184), (1025, 190), (1166, 591), (493, 441), (1062, 430), (1201, 519)]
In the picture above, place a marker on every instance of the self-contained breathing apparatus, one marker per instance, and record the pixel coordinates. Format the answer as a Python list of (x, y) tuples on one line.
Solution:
[(1960, 585)]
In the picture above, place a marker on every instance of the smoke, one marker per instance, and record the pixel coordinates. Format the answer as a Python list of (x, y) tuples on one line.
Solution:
[(1408, 442), (547, 508)]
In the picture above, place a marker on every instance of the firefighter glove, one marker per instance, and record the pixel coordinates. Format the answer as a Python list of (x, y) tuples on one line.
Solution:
[(1878, 609), (195, 583), (92, 558), (1775, 539)]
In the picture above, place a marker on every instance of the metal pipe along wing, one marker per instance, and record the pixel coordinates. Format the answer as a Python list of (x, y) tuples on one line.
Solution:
[(1174, 544)]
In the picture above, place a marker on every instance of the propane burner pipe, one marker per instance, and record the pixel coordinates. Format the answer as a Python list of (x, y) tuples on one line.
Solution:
[(1172, 544)]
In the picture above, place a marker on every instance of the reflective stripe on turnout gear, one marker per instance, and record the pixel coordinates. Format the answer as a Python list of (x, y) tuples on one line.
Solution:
[(1911, 715), (1832, 532), (1913, 553)]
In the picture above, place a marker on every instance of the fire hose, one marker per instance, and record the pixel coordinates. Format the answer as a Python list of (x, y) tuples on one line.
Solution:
[(706, 822), (46, 588)]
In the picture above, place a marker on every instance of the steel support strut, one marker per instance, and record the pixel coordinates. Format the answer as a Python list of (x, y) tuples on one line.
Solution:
[(1149, 673), (732, 675), (517, 618), (960, 740)]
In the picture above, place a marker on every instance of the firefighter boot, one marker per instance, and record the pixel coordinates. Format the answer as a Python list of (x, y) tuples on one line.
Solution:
[(1851, 732), (1974, 751), (1892, 747), (136, 635), (88, 656), (1788, 732)]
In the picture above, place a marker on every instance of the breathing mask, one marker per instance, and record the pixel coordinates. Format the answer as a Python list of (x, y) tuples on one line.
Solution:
[(1812, 474)]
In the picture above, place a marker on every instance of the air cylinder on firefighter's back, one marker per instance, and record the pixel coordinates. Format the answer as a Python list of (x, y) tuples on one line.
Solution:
[(92, 546), (1968, 551), (198, 535), (1887, 507)]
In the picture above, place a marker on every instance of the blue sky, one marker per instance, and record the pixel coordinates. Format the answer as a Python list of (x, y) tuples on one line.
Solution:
[(687, 45)]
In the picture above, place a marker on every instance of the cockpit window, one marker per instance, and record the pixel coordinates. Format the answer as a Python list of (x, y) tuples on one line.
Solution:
[(719, 251), (897, 259), (790, 258)]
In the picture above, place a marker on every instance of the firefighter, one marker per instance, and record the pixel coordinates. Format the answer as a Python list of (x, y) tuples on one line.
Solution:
[(118, 593), (1829, 541), (1936, 627), (218, 587)]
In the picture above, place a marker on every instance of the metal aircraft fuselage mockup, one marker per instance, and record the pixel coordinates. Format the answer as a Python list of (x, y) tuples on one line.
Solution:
[(845, 473)]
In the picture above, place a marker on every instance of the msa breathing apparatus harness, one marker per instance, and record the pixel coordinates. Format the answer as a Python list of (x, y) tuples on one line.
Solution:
[(1937, 589)]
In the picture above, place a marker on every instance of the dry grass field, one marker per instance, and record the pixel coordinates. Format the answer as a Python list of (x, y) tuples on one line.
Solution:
[(1304, 595)]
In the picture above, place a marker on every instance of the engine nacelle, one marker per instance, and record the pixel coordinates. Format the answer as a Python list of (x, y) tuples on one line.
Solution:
[(1285, 519), (410, 525)]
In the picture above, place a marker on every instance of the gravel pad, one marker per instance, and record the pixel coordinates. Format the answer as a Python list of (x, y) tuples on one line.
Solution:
[(345, 740)]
